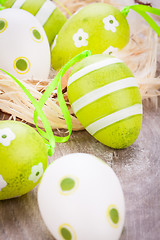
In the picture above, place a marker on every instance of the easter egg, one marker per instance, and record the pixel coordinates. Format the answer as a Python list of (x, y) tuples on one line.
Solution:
[(80, 197), (50, 17), (106, 99), (98, 27), (23, 159), (25, 51)]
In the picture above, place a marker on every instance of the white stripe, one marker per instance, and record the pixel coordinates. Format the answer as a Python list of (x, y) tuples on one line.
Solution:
[(114, 117), (18, 3), (45, 11), (103, 91), (93, 67)]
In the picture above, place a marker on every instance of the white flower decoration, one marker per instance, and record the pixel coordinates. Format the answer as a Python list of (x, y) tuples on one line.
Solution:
[(80, 37), (54, 43), (110, 23), (110, 50), (3, 183), (6, 136), (36, 172)]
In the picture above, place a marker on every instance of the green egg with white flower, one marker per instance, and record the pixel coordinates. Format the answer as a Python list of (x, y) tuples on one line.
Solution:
[(106, 99), (23, 159), (98, 27), (50, 17)]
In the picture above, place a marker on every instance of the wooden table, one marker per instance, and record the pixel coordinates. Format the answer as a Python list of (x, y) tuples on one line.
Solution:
[(138, 168)]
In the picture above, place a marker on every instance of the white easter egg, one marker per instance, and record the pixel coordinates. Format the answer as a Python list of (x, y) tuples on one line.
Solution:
[(25, 51), (80, 197)]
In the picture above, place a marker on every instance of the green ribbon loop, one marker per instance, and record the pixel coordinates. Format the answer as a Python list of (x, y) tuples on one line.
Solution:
[(49, 90), (48, 135), (51, 144), (141, 10)]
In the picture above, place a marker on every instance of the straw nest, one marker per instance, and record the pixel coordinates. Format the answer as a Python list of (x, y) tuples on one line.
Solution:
[(140, 55)]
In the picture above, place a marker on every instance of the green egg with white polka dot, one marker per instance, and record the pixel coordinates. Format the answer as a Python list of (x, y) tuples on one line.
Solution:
[(106, 99), (51, 18), (98, 27), (23, 159)]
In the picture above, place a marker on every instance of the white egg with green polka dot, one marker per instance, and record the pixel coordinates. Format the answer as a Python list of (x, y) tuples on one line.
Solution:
[(80, 198), (25, 51)]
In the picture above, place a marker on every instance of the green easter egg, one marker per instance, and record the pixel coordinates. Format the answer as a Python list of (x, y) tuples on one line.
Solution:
[(106, 99), (51, 18), (98, 27), (23, 159)]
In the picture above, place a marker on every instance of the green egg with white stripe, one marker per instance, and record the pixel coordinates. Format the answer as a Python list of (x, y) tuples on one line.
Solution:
[(51, 18), (106, 99)]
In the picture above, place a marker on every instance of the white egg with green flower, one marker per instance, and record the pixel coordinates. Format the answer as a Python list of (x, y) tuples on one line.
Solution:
[(25, 51)]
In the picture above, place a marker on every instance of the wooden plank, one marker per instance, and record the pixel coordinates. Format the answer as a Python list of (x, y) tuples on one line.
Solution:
[(139, 172), (137, 168)]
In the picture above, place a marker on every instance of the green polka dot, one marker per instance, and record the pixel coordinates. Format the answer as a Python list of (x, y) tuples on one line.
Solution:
[(21, 65), (4, 136), (67, 184), (2, 24), (114, 215), (66, 234), (36, 34)]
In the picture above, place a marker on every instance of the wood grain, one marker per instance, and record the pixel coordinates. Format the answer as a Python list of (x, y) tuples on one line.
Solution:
[(137, 168)]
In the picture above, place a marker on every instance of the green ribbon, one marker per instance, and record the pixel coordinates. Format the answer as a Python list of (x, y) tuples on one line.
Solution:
[(48, 135), (141, 10)]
